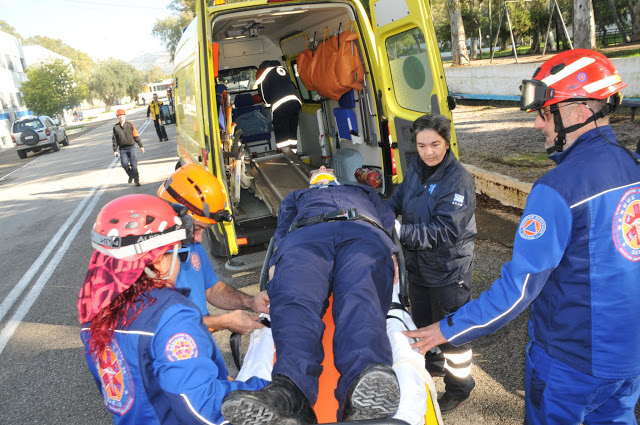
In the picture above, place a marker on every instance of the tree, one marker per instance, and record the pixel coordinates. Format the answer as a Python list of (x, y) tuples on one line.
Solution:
[(155, 74), (169, 30), (584, 35), (114, 79), (82, 62), (51, 87), (458, 38), (5, 27)]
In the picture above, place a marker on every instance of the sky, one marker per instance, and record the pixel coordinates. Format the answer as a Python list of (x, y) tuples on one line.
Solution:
[(101, 28)]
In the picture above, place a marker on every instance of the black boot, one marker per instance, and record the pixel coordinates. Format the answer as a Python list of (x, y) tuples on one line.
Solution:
[(375, 394), (280, 402)]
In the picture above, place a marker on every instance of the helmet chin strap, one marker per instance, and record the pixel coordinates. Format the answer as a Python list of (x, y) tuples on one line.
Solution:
[(562, 131), (174, 261)]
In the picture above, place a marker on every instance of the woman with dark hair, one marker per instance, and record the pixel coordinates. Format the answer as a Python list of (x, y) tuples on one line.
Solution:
[(151, 356), (437, 203)]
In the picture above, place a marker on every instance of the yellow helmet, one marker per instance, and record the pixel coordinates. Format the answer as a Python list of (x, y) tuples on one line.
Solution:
[(199, 191)]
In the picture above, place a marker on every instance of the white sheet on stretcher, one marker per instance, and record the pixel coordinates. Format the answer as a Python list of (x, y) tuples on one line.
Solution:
[(408, 364)]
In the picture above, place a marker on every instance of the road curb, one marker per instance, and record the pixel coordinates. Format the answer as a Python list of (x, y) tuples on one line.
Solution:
[(507, 190)]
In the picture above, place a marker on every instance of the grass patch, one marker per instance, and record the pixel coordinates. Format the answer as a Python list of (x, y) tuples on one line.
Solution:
[(479, 276), (622, 53), (521, 160), (527, 160)]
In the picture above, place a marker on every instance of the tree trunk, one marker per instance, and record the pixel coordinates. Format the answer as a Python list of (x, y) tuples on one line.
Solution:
[(458, 38), (635, 20), (619, 24), (535, 42), (603, 28), (584, 26), (561, 37), (474, 49)]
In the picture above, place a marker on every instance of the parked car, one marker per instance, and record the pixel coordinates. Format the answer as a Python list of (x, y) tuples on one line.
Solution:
[(37, 132)]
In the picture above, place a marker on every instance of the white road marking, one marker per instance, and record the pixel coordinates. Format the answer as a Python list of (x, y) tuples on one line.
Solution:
[(28, 163), (31, 297)]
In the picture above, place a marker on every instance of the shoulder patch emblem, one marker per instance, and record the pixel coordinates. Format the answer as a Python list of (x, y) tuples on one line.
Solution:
[(117, 384), (181, 347), (532, 227), (195, 261), (458, 199), (626, 225)]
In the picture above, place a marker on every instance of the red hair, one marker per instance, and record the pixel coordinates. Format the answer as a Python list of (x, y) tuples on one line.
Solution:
[(134, 299)]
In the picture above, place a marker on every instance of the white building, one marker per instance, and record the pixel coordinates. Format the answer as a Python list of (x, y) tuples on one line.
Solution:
[(12, 66), (35, 55), (14, 59)]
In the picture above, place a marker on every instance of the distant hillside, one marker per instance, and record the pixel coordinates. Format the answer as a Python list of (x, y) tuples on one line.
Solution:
[(145, 61)]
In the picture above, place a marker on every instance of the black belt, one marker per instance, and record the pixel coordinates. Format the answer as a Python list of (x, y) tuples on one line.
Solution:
[(337, 215)]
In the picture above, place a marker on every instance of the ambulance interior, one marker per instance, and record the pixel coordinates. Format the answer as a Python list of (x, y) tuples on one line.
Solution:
[(348, 128)]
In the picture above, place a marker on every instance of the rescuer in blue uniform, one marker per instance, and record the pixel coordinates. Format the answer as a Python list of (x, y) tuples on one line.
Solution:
[(437, 202), (330, 238), (281, 95), (151, 356), (204, 197), (576, 256)]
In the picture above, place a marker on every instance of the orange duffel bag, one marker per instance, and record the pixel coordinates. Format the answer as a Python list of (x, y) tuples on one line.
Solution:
[(349, 70)]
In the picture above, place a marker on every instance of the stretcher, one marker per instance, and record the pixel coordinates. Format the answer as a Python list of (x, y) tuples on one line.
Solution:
[(418, 396)]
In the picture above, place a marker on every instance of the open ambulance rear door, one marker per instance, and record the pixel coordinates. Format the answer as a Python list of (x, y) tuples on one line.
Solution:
[(224, 233), (411, 72)]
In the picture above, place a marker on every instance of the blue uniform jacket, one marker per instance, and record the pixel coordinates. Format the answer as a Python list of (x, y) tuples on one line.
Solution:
[(576, 260), (438, 221), (197, 275), (165, 367), (305, 203)]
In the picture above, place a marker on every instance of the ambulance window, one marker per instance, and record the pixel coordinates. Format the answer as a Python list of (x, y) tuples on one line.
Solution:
[(306, 95), (238, 80), (410, 70)]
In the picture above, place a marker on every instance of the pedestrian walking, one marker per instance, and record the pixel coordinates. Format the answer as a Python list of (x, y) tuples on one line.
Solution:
[(153, 112), (124, 138)]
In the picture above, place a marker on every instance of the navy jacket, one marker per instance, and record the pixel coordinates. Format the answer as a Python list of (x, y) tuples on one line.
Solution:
[(305, 203), (438, 221), (164, 368), (576, 260)]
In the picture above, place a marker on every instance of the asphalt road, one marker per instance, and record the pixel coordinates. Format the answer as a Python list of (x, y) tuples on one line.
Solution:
[(48, 204)]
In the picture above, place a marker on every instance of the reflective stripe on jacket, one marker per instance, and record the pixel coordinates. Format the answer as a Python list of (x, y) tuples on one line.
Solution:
[(576, 260)]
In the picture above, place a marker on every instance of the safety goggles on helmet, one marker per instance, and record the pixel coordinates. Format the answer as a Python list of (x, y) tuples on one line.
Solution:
[(534, 94), (128, 246)]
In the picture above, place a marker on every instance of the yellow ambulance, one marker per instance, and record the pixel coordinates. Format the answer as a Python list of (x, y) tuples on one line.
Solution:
[(400, 77)]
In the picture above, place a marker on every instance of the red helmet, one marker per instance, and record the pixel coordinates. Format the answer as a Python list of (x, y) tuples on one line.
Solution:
[(120, 112), (199, 191), (130, 226), (573, 74)]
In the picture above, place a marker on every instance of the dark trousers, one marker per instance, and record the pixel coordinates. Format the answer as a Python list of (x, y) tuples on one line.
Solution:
[(129, 161), (430, 305), (160, 131), (350, 261), (285, 122)]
